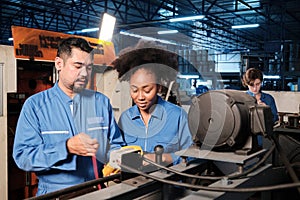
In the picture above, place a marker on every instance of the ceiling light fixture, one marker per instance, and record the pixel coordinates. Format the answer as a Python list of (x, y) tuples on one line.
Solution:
[(167, 32), (107, 27), (180, 19), (245, 26), (271, 77), (147, 37), (187, 76), (89, 30)]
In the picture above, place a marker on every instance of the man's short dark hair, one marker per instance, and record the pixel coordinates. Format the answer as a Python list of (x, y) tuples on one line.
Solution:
[(65, 46)]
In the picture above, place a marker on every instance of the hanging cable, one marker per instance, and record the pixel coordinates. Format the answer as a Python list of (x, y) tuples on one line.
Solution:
[(216, 189), (283, 157), (286, 162), (95, 167), (234, 176)]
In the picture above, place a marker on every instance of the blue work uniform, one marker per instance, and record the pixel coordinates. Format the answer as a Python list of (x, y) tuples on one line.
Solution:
[(47, 120), (168, 126)]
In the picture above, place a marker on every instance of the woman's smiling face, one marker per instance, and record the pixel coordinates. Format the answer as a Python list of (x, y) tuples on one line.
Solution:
[(143, 89)]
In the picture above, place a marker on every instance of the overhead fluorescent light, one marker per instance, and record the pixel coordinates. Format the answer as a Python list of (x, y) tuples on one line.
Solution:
[(107, 27), (180, 19), (271, 77), (167, 32), (147, 37), (245, 26), (10, 39), (187, 76), (89, 30)]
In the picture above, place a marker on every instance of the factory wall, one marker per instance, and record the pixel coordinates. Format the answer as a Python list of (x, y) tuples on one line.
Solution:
[(287, 102), (118, 92), (9, 84)]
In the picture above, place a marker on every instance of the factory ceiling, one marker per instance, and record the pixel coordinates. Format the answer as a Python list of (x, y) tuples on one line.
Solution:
[(279, 20)]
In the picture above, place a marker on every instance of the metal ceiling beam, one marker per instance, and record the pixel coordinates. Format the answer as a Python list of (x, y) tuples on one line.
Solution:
[(70, 15)]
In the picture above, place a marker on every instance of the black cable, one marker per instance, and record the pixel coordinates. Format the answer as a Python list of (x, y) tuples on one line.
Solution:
[(269, 152), (295, 164), (181, 173), (216, 189), (234, 176), (286, 162)]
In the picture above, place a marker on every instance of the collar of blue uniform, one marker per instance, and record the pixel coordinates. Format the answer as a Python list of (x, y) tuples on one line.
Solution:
[(61, 93), (157, 113)]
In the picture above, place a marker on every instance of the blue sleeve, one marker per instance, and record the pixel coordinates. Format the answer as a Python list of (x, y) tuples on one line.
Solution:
[(270, 101), (116, 139), (29, 151), (184, 134), (115, 136), (274, 110)]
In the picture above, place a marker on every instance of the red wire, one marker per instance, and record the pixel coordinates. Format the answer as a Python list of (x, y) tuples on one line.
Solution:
[(95, 166)]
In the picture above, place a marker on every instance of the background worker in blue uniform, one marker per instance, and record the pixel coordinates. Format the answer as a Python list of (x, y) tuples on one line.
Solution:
[(61, 129), (252, 79), (152, 121)]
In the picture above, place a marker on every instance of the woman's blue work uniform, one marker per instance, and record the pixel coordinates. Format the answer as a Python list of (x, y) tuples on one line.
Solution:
[(168, 126)]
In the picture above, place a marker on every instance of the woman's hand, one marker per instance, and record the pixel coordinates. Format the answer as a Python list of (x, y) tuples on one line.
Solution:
[(260, 102)]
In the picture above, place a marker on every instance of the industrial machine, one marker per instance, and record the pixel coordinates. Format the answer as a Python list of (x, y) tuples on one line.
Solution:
[(225, 162)]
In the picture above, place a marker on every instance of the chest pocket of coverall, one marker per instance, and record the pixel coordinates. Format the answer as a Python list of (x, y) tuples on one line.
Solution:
[(169, 142), (96, 127)]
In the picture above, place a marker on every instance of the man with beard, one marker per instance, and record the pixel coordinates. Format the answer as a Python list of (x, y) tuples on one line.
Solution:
[(62, 130)]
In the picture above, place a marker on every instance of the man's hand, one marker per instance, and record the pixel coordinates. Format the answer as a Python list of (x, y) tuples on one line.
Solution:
[(82, 144)]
